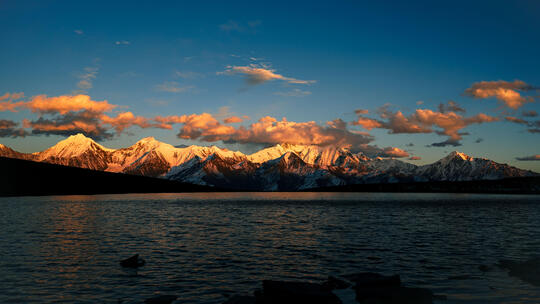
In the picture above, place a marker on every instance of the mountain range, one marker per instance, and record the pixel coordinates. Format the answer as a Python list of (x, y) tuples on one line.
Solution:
[(283, 167)]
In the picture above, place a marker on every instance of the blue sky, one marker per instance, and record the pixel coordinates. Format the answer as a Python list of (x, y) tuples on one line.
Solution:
[(164, 58)]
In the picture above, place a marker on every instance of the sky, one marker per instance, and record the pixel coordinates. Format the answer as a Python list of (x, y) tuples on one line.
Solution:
[(412, 80)]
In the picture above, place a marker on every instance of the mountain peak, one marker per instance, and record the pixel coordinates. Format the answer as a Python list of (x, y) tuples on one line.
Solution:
[(79, 137), (148, 140), (459, 155)]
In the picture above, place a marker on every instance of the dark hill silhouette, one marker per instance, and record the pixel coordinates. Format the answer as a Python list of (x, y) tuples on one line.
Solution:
[(22, 177)]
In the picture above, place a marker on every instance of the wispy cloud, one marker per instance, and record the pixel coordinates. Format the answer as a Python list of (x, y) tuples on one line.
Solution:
[(529, 158), (122, 42), (86, 79), (294, 93), (257, 74), (172, 87), (78, 32), (235, 26)]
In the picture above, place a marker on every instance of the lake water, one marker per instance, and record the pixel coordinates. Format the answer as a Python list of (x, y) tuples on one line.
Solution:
[(204, 246)]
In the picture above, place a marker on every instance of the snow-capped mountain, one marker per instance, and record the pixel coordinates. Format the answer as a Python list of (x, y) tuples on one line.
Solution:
[(278, 168)]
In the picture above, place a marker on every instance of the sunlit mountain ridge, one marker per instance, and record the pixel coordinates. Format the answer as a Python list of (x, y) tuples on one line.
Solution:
[(277, 168)]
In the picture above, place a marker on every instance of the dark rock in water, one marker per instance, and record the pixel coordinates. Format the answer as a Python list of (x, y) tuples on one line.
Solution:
[(163, 299), (376, 288), (335, 283), (527, 271), (295, 292), (236, 299), (484, 268), (132, 262), (371, 279), (393, 295)]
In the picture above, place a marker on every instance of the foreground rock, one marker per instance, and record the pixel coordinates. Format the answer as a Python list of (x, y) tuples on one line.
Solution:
[(375, 288), (367, 288), (295, 292), (132, 262), (528, 271)]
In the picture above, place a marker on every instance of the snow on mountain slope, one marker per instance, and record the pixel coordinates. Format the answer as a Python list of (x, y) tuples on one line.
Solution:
[(315, 155)]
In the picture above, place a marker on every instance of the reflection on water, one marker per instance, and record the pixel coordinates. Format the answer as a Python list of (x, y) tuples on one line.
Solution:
[(202, 246)]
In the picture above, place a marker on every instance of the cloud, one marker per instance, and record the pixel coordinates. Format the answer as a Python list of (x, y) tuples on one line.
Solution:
[(361, 111), (122, 42), (506, 92), (233, 119), (78, 32), (415, 158), (67, 103), (479, 140), (268, 131), (424, 121), (7, 104), (531, 113), (393, 152), (86, 79), (126, 120), (420, 102), (409, 145), (450, 106), (8, 129), (60, 104), (448, 142), (516, 120), (256, 74), (294, 93), (529, 158), (234, 26), (69, 124), (230, 26), (172, 87)]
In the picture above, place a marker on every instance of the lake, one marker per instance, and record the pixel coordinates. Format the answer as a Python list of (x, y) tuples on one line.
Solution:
[(205, 246)]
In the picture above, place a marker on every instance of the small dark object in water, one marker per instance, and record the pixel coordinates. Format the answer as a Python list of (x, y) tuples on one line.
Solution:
[(484, 268), (295, 292), (237, 299), (335, 283), (163, 299), (132, 262)]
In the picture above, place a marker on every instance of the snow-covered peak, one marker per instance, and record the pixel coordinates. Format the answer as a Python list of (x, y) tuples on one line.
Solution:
[(323, 156), (458, 155), (72, 146)]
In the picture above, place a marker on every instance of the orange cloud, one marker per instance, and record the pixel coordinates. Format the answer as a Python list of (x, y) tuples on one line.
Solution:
[(394, 152), (423, 121), (268, 130), (233, 119), (7, 104), (126, 120), (415, 158), (67, 103), (256, 74), (506, 92), (516, 120)]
